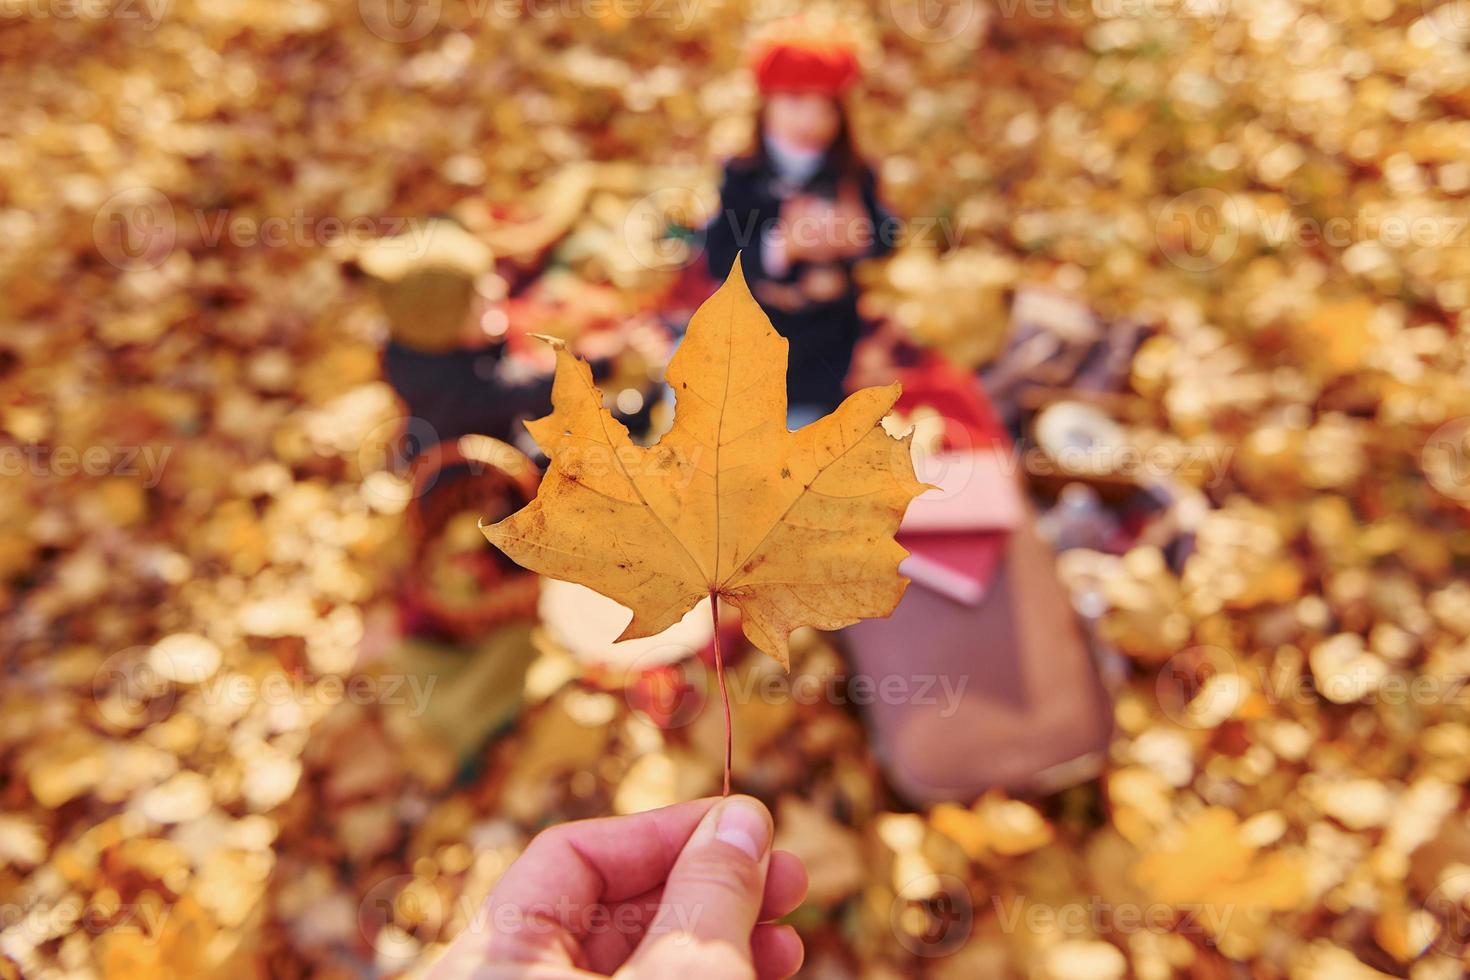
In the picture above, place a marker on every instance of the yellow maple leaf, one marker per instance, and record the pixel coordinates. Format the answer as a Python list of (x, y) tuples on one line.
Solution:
[(1209, 866), (793, 528)]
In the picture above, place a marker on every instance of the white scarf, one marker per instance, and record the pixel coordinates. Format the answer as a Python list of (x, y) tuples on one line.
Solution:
[(794, 164)]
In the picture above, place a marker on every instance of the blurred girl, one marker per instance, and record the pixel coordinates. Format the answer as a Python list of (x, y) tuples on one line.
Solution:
[(801, 206)]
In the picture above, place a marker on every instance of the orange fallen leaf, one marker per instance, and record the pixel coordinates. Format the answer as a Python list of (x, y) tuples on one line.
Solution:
[(793, 528), (1208, 866)]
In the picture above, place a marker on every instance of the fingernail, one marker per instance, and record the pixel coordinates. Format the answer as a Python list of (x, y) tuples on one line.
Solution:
[(742, 823)]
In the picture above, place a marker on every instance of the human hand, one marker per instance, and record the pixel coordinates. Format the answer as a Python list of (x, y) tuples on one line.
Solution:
[(684, 891), (821, 230), (852, 225), (806, 228)]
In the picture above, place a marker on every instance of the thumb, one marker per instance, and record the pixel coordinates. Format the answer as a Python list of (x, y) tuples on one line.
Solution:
[(712, 897)]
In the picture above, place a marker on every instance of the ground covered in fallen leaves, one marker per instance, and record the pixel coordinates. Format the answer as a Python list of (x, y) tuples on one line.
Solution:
[(1277, 187)]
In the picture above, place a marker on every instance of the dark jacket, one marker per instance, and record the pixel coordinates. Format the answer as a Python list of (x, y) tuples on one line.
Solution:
[(454, 393), (821, 334)]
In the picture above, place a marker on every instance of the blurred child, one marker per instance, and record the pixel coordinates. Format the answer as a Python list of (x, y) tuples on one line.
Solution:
[(801, 207)]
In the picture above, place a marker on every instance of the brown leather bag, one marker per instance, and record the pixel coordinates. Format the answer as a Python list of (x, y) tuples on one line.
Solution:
[(1003, 693)]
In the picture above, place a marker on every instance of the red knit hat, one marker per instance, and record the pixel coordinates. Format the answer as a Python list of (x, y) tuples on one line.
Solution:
[(805, 65)]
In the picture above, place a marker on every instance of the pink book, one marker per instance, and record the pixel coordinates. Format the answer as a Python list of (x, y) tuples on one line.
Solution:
[(956, 564), (977, 491), (957, 534)]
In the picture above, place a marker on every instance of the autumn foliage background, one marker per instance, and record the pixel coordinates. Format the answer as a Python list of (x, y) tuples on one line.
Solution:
[(1143, 159)]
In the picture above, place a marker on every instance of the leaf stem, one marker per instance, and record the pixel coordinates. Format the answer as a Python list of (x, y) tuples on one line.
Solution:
[(714, 607)]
